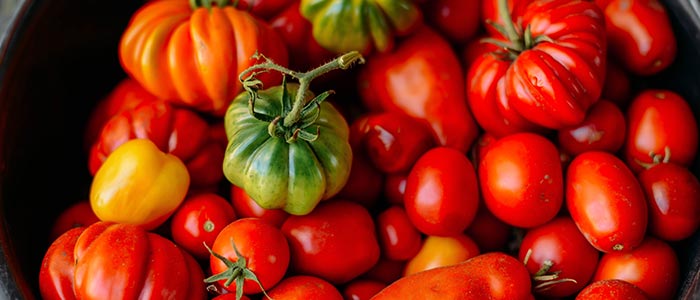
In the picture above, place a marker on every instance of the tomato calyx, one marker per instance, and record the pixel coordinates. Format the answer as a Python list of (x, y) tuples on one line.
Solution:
[(236, 271), (517, 41), (543, 278), (298, 115), (195, 4), (656, 158)]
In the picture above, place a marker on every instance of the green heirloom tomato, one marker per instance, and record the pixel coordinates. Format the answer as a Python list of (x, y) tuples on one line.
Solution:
[(287, 151), (346, 25)]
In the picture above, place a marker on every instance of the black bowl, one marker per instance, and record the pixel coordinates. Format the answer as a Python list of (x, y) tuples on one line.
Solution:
[(59, 58)]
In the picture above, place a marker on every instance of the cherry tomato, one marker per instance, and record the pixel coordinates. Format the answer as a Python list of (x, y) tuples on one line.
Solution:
[(395, 187), (305, 287), (606, 201), (442, 192), (337, 241), (362, 289), (398, 238), (440, 251), (78, 214), (489, 232), (661, 127), (522, 180), (603, 129), (246, 207), (611, 289), (198, 220), (458, 20), (653, 267)]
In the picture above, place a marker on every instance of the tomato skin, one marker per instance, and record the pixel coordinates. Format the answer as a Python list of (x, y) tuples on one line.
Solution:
[(422, 78), (611, 289), (672, 193), (440, 251), (560, 243), (653, 267), (78, 214), (442, 192), (617, 88), (606, 201), (395, 187), (659, 121), (603, 129), (640, 35), (489, 13), (522, 180), (365, 181), (362, 289), (385, 270), (264, 9), (398, 238), (198, 220), (337, 241), (489, 232), (493, 275), (458, 20), (263, 246), (245, 207), (304, 287), (58, 267)]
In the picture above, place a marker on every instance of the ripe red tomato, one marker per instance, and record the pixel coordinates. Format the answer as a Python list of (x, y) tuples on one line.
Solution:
[(603, 129), (560, 259), (442, 192), (661, 127), (337, 241), (458, 20), (490, 13), (489, 233), (245, 207), (617, 86), (673, 197), (653, 267), (398, 238), (606, 201), (441, 251), (611, 289), (245, 246), (362, 289), (77, 215), (198, 220), (522, 180), (304, 287), (263, 9), (365, 182)]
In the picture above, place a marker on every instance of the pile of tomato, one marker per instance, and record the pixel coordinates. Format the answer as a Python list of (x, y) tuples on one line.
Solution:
[(396, 149)]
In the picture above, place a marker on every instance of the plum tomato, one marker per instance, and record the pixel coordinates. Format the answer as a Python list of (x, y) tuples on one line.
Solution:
[(398, 238)]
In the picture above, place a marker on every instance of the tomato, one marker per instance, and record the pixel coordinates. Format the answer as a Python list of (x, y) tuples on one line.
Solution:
[(661, 127), (475, 49), (304, 287), (606, 201), (421, 78), (611, 289), (395, 187), (78, 214), (440, 251), (491, 14), (398, 238), (493, 275), (248, 256), (442, 192), (362, 289), (521, 180), (672, 194), (392, 141), (146, 195), (483, 143), (245, 207), (488, 232), (336, 241), (198, 220), (653, 267), (364, 26), (264, 9), (385, 270), (555, 60), (618, 86), (559, 258), (603, 129), (640, 34), (230, 296), (364, 183), (174, 130), (118, 261), (288, 149), (458, 20), (193, 54)]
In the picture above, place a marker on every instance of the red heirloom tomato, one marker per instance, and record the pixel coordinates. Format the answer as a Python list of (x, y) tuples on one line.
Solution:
[(77, 215), (393, 141), (192, 54), (304, 287), (442, 192), (603, 129), (245, 207), (440, 251), (611, 289), (421, 78), (522, 180), (493, 275), (653, 267), (640, 35), (362, 289), (559, 258), (673, 196), (336, 241), (118, 261), (398, 238), (606, 201), (661, 127), (198, 221), (249, 256), (555, 58), (458, 20)]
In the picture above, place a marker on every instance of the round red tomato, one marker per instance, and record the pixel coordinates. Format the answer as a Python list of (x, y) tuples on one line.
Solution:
[(522, 180), (606, 201), (611, 289), (198, 220), (653, 267), (442, 192), (398, 238), (305, 287), (440, 251), (337, 241), (247, 247), (603, 129), (246, 207), (77, 215), (559, 258)]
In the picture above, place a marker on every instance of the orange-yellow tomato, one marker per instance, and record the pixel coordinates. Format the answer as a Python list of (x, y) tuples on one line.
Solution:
[(440, 251), (139, 184)]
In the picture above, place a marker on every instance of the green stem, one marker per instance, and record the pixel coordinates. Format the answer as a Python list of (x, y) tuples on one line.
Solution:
[(510, 30)]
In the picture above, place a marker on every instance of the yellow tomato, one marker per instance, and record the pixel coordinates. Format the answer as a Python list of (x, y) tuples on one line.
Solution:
[(139, 184), (439, 251)]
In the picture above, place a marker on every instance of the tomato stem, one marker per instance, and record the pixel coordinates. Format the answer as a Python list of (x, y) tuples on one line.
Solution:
[(237, 271), (508, 25)]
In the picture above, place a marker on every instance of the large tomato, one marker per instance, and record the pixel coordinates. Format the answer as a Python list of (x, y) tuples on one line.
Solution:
[(117, 261), (193, 54)]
